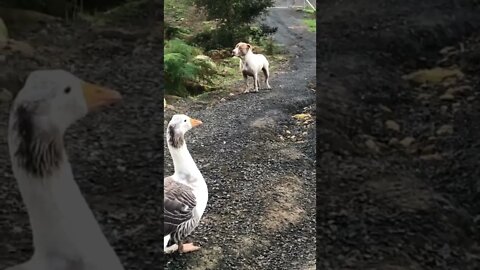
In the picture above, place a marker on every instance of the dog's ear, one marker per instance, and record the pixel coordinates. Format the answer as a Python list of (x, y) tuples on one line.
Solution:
[(249, 46)]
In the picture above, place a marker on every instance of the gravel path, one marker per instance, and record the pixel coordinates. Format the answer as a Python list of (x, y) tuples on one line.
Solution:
[(399, 180), (261, 211)]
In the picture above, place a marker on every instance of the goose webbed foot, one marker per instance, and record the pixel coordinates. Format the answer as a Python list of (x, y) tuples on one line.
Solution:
[(186, 248)]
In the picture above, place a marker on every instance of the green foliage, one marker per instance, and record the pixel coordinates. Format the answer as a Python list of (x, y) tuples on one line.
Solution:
[(226, 38), (182, 66), (311, 24), (309, 10), (173, 32), (234, 12), (234, 21)]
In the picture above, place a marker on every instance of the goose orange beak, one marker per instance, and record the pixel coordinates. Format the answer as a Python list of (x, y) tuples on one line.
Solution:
[(195, 122), (98, 96)]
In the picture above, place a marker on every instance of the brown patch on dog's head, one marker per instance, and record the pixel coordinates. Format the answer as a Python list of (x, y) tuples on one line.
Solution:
[(241, 49)]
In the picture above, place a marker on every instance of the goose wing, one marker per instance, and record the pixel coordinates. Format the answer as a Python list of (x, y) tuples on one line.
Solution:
[(178, 204)]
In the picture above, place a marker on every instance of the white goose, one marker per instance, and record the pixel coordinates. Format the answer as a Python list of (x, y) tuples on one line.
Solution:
[(65, 232), (185, 192)]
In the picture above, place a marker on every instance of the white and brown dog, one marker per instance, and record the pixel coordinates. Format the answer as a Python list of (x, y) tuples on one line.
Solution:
[(251, 65)]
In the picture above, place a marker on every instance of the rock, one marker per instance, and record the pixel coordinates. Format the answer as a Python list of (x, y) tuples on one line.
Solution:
[(434, 76), (172, 98), (458, 89), (452, 91), (444, 109), (423, 96), (20, 47), (372, 146), (385, 108), (447, 97), (445, 130), (429, 149), (447, 50), (435, 156), (392, 125), (302, 116), (3, 34), (5, 96), (448, 82), (407, 141), (393, 141)]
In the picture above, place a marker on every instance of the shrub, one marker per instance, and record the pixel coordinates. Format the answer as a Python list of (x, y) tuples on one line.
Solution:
[(183, 66), (234, 22), (225, 38)]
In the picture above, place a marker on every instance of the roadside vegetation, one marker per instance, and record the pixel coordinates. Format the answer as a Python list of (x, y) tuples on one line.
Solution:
[(199, 36), (311, 19)]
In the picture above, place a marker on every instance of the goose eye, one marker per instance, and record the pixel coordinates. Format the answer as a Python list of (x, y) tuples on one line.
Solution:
[(185, 120), (67, 90)]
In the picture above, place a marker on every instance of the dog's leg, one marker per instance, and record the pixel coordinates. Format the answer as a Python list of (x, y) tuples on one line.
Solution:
[(255, 81), (245, 78), (267, 75)]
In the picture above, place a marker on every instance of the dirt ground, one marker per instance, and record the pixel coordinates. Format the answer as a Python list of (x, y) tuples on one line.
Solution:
[(116, 153), (398, 174), (259, 165)]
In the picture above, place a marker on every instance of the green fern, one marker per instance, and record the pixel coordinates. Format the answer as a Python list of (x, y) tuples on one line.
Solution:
[(181, 67)]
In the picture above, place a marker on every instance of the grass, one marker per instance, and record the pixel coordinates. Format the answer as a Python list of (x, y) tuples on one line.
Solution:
[(311, 24), (310, 21), (309, 10)]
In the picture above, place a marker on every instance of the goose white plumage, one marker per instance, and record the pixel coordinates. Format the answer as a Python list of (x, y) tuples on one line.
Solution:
[(185, 192), (65, 232)]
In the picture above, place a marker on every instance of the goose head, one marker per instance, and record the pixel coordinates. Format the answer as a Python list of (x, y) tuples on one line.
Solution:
[(57, 98), (50, 102), (177, 127)]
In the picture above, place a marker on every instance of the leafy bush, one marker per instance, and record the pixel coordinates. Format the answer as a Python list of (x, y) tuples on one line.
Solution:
[(184, 64), (225, 38), (174, 32), (234, 22), (239, 12)]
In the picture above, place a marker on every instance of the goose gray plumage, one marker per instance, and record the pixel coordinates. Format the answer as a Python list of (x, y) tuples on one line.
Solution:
[(185, 192), (65, 232)]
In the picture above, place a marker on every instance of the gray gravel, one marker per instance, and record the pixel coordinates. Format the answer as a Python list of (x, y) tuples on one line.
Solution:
[(261, 211), (385, 205)]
